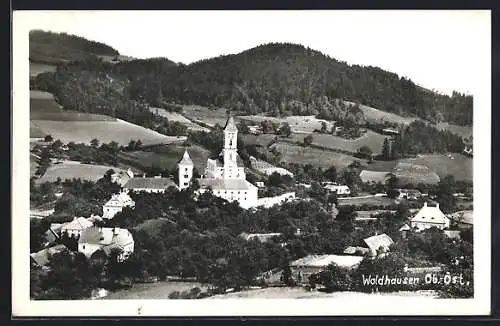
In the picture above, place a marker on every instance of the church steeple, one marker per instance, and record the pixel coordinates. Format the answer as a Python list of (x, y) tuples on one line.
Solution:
[(230, 143), (230, 125)]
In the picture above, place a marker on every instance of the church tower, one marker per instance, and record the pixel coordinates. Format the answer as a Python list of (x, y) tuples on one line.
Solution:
[(185, 171), (230, 144)]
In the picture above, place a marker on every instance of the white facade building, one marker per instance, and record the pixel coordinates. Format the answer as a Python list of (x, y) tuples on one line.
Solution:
[(340, 190), (116, 205), (152, 185), (429, 216), (76, 227), (107, 239), (225, 174)]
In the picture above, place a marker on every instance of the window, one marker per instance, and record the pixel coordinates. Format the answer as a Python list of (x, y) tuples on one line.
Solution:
[(83, 247), (185, 183), (186, 169), (186, 176)]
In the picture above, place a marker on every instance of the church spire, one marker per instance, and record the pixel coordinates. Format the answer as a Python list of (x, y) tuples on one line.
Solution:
[(230, 125)]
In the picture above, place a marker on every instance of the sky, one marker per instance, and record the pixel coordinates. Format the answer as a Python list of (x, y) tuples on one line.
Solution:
[(436, 49)]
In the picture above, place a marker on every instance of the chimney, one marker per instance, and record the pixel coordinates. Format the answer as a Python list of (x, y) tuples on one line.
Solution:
[(144, 175), (437, 205), (425, 204)]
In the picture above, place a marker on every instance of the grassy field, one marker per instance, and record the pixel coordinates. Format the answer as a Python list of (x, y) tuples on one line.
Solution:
[(173, 116), (168, 156), (365, 200), (461, 167), (260, 140), (300, 293), (371, 139), (209, 117), (38, 68), (303, 155), (463, 131), (159, 290), (70, 170), (376, 115), (105, 131), (298, 124)]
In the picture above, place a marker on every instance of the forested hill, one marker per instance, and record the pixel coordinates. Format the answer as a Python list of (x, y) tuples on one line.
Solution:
[(281, 77), (53, 48)]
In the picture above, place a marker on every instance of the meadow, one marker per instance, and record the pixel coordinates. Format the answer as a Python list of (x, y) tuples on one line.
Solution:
[(38, 68), (159, 290), (105, 131), (71, 169), (304, 155), (174, 116), (207, 116), (298, 124)]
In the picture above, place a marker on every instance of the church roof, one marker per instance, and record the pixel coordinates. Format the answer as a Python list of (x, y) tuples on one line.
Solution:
[(230, 125), (186, 160), (225, 184)]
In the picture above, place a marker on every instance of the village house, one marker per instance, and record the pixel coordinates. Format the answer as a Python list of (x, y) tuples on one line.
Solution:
[(462, 219), (76, 227), (108, 240), (378, 244), (268, 202), (116, 204), (340, 190), (122, 177), (262, 237), (409, 194), (429, 216), (304, 267)]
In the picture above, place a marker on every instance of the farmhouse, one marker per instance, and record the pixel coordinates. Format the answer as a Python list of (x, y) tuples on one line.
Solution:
[(304, 267), (368, 176), (152, 185), (108, 240), (429, 216), (76, 227), (340, 190), (410, 194), (116, 205), (224, 174), (122, 177)]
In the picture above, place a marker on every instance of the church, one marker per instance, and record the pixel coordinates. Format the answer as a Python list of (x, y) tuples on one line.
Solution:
[(225, 174)]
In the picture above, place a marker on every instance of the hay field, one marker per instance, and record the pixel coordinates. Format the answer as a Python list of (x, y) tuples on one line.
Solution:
[(168, 156), (303, 155), (105, 131), (369, 200), (298, 124), (38, 68), (174, 116), (461, 167), (209, 117), (159, 290), (71, 169), (371, 139), (376, 115)]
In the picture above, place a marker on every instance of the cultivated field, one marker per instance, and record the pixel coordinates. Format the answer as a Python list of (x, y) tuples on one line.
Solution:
[(303, 155), (200, 113), (299, 293), (36, 131), (105, 131), (168, 156), (159, 290), (298, 124), (174, 116), (71, 169), (371, 139), (38, 68)]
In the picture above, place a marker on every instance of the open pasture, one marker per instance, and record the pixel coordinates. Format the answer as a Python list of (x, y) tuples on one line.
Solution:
[(210, 117), (174, 116), (158, 290), (298, 124), (70, 170), (304, 155), (105, 131), (461, 167), (378, 116), (371, 139)]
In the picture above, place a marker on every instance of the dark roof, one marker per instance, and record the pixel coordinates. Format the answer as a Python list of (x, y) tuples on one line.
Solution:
[(41, 258), (149, 183)]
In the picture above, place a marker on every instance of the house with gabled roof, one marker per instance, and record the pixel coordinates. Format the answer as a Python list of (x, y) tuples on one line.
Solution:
[(116, 204), (428, 217), (108, 240), (76, 227), (41, 258), (378, 244)]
